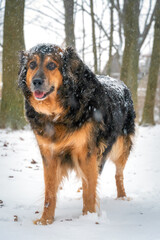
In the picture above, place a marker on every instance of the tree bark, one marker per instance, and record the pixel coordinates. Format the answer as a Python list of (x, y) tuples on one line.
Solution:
[(148, 112), (111, 39), (129, 69), (83, 32), (69, 22), (12, 111), (94, 37)]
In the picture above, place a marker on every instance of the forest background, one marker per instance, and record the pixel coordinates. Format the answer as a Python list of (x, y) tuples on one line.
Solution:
[(119, 38)]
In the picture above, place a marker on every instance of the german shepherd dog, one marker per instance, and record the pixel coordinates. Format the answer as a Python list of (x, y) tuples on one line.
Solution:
[(79, 120)]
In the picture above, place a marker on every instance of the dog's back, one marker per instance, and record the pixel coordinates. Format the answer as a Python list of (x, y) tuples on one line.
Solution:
[(116, 107)]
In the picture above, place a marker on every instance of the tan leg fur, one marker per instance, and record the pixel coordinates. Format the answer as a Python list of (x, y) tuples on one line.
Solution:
[(119, 155)]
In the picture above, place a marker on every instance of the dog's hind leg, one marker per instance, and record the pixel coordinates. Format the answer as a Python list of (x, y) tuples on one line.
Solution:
[(119, 155)]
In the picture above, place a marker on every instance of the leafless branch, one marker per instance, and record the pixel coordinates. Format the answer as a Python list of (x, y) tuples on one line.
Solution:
[(120, 17), (149, 9), (59, 15), (29, 2), (32, 20), (147, 28), (84, 34), (46, 15), (117, 7), (141, 5), (55, 8), (100, 25), (47, 26)]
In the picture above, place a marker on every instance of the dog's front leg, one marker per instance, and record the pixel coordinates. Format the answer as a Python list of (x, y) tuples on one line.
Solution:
[(51, 184)]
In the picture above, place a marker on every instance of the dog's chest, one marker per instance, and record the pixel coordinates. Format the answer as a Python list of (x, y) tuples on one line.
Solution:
[(58, 139), (65, 139)]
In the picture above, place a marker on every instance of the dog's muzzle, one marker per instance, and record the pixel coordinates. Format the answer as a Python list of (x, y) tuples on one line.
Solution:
[(38, 88)]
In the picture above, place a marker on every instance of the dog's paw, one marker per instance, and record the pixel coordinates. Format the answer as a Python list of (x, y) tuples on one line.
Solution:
[(43, 221)]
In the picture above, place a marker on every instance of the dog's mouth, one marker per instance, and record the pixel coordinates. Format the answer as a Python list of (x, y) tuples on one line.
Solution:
[(42, 94)]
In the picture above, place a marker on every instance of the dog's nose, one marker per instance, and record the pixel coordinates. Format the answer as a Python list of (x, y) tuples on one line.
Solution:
[(38, 82)]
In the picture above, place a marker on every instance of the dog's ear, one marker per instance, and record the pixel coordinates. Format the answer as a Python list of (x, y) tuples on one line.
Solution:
[(23, 60), (72, 71), (72, 66)]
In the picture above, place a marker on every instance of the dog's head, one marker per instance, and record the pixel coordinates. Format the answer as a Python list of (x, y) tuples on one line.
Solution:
[(39, 73), (43, 70)]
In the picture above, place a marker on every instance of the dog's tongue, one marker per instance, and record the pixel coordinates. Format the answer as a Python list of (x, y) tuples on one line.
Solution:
[(39, 94)]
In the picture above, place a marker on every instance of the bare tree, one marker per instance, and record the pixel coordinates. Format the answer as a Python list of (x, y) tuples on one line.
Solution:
[(1, 21), (93, 37), (83, 31), (69, 22), (111, 37), (55, 19), (12, 112), (129, 69), (133, 43), (148, 112), (50, 16)]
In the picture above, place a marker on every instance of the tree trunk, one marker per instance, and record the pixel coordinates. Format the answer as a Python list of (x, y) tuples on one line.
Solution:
[(12, 111), (129, 69), (69, 22), (111, 39), (94, 37), (83, 32), (148, 112)]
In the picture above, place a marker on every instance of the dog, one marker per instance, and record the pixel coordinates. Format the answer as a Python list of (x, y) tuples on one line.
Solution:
[(79, 120)]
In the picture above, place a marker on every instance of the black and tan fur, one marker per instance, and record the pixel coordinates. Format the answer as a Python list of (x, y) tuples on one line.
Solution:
[(78, 121)]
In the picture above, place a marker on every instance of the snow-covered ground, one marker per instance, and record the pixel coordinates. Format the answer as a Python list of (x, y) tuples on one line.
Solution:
[(21, 194)]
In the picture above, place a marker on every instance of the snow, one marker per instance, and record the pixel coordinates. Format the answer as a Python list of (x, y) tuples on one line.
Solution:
[(21, 194), (112, 83)]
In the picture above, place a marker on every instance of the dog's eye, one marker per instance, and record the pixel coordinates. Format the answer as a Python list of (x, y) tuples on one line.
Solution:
[(33, 65), (51, 66)]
